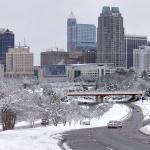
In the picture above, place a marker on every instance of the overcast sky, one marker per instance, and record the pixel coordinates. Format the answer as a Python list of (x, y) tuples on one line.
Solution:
[(43, 22)]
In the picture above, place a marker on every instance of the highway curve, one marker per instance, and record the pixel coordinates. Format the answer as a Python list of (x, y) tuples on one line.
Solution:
[(126, 138)]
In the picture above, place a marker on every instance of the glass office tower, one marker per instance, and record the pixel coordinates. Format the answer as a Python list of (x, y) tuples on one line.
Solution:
[(80, 36), (6, 41)]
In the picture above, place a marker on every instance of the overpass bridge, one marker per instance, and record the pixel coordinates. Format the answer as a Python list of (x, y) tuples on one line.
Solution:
[(100, 95)]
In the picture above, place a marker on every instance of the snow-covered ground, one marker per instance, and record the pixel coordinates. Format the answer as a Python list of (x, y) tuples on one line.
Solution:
[(46, 138), (145, 107), (145, 130)]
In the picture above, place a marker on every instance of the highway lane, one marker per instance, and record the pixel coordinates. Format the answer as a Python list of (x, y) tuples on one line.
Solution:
[(126, 138)]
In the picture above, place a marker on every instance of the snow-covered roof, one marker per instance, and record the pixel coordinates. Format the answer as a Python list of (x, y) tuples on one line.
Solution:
[(3, 30)]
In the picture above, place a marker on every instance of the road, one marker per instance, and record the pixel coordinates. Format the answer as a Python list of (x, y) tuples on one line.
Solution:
[(126, 138)]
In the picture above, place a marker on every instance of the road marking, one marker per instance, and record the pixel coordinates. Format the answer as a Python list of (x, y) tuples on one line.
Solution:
[(109, 148)]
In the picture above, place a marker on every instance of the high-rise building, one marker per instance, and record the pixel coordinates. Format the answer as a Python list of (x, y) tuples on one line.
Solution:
[(19, 62), (110, 37), (6, 42), (80, 36), (71, 32), (133, 42)]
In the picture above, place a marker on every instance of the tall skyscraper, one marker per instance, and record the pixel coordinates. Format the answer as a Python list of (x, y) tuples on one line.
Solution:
[(6, 41), (71, 32), (133, 42), (110, 37), (80, 36)]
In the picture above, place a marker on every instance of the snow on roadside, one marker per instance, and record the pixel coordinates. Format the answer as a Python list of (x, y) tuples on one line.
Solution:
[(117, 112), (145, 107), (46, 138), (145, 130)]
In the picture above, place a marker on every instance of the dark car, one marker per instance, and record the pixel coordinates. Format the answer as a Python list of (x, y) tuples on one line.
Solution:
[(45, 122)]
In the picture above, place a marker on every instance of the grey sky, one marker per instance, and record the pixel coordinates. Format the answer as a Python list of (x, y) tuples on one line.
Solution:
[(43, 22)]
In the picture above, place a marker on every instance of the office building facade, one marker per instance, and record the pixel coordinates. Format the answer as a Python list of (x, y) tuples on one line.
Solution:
[(141, 58), (80, 36), (6, 41), (53, 57), (88, 72), (133, 42), (91, 56), (110, 37), (19, 62)]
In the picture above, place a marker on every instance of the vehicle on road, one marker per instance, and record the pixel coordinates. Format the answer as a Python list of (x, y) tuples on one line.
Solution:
[(114, 124), (85, 122), (45, 122)]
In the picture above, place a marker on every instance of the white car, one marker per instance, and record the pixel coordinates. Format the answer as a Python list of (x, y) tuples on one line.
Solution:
[(114, 124)]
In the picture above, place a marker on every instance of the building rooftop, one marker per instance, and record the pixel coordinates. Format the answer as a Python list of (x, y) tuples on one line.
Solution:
[(135, 36), (55, 50), (3, 30), (108, 10), (115, 9)]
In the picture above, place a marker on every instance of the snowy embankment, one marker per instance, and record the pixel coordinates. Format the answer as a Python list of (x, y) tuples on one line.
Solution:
[(145, 130), (44, 138), (145, 107)]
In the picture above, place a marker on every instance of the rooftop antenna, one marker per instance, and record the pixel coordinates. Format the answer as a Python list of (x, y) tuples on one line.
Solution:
[(72, 16), (24, 41), (55, 47), (19, 44)]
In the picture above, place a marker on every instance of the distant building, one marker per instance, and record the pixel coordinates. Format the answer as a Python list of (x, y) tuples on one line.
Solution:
[(148, 43), (53, 57), (61, 57), (55, 73), (77, 57), (110, 37), (88, 72), (19, 62), (77, 72), (80, 36), (7, 40), (141, 58), (38, 73), (133, 42), (91, 56), (1, 71)]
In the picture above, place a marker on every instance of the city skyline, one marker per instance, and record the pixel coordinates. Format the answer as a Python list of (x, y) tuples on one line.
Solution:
[(43, 30)]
